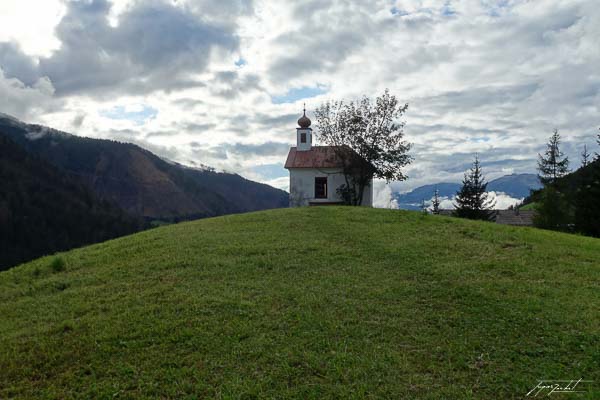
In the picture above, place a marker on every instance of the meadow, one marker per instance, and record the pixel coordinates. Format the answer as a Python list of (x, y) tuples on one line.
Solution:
[(308, 303)]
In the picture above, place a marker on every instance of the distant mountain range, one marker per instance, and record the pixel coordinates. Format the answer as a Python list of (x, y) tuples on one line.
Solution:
[(517, 186), (59, 191)]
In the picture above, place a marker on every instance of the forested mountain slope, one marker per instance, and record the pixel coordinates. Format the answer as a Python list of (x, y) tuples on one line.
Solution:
[(44, 210), (140, 182)]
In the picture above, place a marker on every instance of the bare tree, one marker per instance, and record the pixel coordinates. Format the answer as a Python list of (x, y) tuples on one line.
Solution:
[(368, 137)]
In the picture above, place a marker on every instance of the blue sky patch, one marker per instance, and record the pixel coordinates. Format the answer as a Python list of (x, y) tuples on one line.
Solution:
[(447, 10), (138, 117), (240, 62), (497, 9), (398, 12), (296, 94)]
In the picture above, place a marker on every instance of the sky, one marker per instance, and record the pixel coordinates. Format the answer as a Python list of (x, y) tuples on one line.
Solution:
[(222, 83)]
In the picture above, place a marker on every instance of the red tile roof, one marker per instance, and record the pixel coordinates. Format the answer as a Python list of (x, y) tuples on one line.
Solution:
[(321, 157), (316, 157)]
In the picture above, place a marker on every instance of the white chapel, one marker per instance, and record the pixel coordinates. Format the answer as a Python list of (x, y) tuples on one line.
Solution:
[(316, 172)]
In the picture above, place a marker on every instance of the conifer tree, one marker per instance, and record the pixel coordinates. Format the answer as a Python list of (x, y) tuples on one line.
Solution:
[(552, 208), (598, 141), (585, 156), (587, 211), (553, 164), (472, 200), (435, 204)]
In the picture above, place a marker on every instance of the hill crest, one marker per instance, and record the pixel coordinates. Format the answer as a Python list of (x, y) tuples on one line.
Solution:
[(366, 301)]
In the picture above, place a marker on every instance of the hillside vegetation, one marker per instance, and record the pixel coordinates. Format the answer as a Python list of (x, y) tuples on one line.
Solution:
[(59, 191), (306, 303), (140, 182), (44, 210)]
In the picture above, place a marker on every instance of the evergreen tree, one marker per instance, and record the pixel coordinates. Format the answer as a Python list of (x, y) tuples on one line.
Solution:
[(583, 192), (472, 200), (435, 204), (552, 211), (553, 164), (598, 141), (587, 211), (585, 156)]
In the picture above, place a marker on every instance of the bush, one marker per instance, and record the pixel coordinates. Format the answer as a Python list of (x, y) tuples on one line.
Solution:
[(57, 265)]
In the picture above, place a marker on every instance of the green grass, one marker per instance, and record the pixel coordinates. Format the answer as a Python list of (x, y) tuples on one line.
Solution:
[(57, 265), (306, 303), (528, 207)]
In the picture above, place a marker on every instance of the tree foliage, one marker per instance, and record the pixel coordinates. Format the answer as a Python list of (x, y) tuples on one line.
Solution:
[(587, 197), (472, 199), (552, 211), (368, 136), (553, 164), (44, 210), (585, 156)]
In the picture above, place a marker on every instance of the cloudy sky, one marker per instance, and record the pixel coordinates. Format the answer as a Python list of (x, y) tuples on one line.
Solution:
[(222, 82)]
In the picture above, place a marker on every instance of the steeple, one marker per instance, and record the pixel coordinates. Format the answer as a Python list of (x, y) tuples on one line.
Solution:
[(304, 121), (304, 133)]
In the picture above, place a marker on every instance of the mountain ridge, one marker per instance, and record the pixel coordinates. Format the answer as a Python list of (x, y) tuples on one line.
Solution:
[(517, 186), (61, 191), (140, 182)]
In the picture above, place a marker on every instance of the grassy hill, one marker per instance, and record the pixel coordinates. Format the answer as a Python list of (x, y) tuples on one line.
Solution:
[(306, 303)]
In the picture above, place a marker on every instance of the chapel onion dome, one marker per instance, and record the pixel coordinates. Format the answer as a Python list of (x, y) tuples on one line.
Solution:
[(304, 121)]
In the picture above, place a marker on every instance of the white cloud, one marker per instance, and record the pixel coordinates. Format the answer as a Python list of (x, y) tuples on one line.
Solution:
[(446, 203), (22, 101), (502, 201), (487, 77), (31, 23), (383, 196)]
